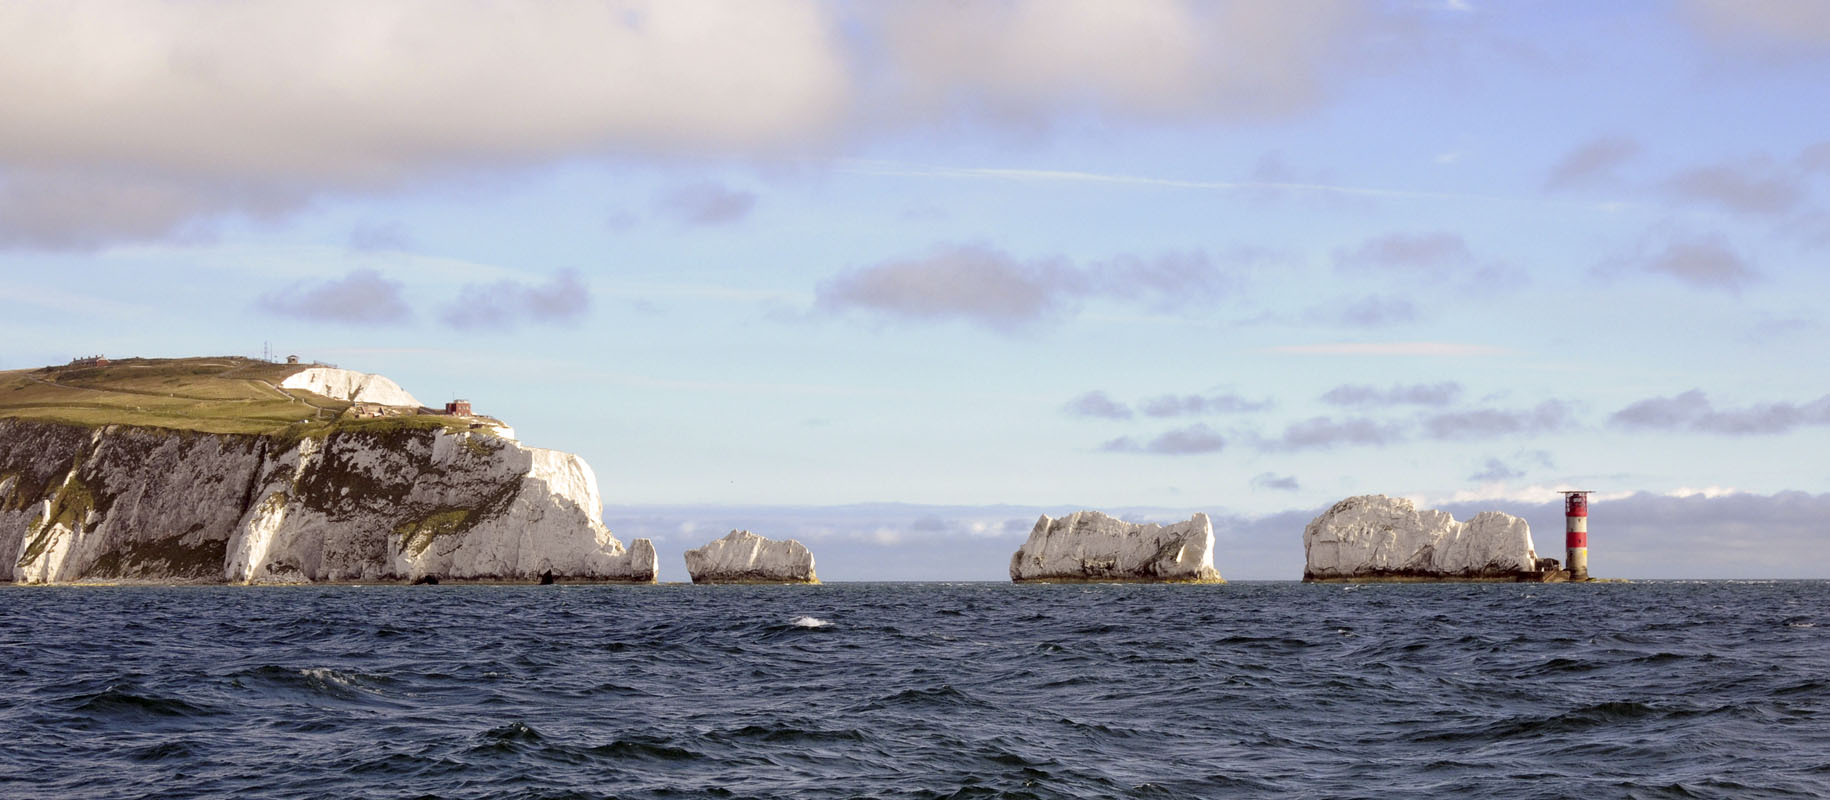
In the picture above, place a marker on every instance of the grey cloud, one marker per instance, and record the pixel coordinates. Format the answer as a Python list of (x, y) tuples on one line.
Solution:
[(1322, 433), (1167, 280), (1812, 228), (1173, 405), (1546, 417), (705, 203), (1592, 162), (509, 304), (1816, 158), (1692, 411), (1421, 394), (1367, 312), (1496, 470), (986, 286), (1097, 404), (81, 210), (1663, 413), (1191, 440), (362, 297), (621, 220), (1440, 256), (1541, 458), (968, 282), (1755, 187), (1425, 252), (1705, 262), (1768, 328), (1758, 25), (1272, 168), (928, 524), (1272, 480), (371, 236)]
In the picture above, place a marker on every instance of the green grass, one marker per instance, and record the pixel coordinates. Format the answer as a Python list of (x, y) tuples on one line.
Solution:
[(417, 536), (208, 395), (70, 509)]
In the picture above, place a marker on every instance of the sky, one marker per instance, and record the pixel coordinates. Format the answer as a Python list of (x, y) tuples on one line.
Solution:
[(896, 278)]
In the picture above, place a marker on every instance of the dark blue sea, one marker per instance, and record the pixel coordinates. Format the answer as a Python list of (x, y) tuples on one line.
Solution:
[(1657, 689)]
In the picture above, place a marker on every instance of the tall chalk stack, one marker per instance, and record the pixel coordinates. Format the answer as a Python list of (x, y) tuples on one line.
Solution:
[(1576, 517)]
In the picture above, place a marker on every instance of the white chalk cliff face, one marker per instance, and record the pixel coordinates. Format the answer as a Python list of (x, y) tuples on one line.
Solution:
[(1090, 546), (130, 503), (1374, 536), (744, 557), (356, 387)]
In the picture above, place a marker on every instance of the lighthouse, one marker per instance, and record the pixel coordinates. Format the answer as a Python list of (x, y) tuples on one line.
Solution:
[(1576, 519)]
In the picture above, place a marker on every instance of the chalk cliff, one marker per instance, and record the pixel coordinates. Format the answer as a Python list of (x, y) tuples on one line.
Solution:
[(380, 501), (356, 387), (1378, 537), (744, 557), (1090, 546)]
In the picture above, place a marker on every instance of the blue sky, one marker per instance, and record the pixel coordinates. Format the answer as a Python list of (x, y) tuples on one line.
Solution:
[(773, 260)]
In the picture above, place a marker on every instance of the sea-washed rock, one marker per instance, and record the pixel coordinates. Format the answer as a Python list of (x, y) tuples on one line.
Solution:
[(744, 557), (1091, 546), (1374, 537)]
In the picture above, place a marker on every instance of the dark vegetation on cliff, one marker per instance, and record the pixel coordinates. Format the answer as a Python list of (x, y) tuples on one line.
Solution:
[(226, 394)]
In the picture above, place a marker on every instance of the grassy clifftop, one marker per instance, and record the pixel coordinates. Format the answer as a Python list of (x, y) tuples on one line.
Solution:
[(227, 394)]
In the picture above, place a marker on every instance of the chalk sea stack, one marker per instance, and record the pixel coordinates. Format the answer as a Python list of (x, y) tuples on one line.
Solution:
[(1088, 546), (744, 557), (1379, 538), (213, 470)]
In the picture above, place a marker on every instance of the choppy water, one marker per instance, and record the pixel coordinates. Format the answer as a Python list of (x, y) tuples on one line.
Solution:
[(918, 691)]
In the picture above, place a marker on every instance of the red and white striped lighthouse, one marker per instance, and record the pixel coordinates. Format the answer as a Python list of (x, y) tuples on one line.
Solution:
[(1576, 519)]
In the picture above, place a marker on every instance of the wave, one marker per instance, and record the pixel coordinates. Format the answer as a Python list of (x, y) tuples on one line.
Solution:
[(119, 702)]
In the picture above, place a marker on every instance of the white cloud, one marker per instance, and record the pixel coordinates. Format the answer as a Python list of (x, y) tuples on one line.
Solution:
[(1504, 492), (152, 115), (133, 121), (1026, 60), (365, 90)]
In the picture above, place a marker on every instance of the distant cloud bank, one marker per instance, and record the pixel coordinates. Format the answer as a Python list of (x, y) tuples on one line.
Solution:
[(1642, 535)]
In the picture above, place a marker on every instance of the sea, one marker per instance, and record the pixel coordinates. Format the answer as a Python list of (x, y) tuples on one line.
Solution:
[(1653, 689)]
